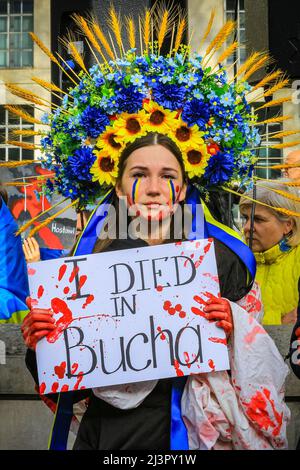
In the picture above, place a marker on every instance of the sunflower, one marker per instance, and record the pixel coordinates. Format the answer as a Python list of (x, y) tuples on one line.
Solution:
[(129, 127), (105, 168), (185, 136), (106, 141), (159, 119), (195, 160)]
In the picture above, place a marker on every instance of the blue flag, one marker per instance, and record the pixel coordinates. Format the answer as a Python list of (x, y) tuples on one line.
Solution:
[(13, 271)]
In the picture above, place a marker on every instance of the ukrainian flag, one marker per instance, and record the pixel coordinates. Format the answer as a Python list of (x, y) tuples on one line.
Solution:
[(13, 271)]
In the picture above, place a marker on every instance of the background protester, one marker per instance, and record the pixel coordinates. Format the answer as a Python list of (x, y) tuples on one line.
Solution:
[(275, 243)]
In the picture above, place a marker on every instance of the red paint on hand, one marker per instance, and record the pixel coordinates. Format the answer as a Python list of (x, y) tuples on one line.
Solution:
[(59, 306)]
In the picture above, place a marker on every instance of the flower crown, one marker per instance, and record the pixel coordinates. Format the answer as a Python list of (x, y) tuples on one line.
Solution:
[(187, 97)]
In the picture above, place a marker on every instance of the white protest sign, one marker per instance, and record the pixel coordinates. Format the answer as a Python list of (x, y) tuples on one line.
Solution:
[(128, 316)]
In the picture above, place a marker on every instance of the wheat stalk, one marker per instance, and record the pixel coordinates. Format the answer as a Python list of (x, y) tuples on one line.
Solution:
[(22, 114), (52, 217)]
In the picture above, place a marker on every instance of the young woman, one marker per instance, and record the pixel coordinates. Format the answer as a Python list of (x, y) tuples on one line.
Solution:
[(139, 416)]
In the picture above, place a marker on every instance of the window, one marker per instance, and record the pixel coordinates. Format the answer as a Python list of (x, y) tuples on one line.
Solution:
[(9, 122), (233, 8), (16, 21), (267, 155)]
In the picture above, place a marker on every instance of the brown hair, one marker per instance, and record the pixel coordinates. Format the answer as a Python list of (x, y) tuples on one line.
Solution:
[(152, 138)]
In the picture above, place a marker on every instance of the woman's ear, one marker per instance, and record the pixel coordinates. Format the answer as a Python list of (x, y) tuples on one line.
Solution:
[(289, 225)]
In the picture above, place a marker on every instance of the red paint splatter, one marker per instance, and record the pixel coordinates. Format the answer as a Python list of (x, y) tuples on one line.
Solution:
[(74, 273), (250, 337), (192, 255), (167, 305), (211, 364), (159, 288), (42, 388), (218, 340), (214, 278), (59, 306), (55, 387), (171, 311), (74, 368), (40, 291), (79, 379), (179, 372), (88, 301), (66, 290), (62, 271), (64, 388), (60, 370), (182, 314), (187, 359), (73, 296), (31, 271), (257, 411), (178, 243), (82, 281), (178, 308), (207, 247), (162, 336)]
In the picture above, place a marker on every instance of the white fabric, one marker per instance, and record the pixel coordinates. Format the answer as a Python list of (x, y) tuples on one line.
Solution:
[(125, 396), (245, 410)]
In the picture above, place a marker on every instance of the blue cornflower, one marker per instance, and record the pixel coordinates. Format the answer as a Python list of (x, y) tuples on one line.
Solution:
[(93, 121), (46, 142), (84, 98), (99, 82), (169, 96), (220, 168), (227, 99), (142, 63), (137, 79), (81, 162), (45, 117), (196, 112)]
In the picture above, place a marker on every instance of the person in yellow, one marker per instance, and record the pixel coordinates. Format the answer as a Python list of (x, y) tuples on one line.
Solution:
[(276, 246)]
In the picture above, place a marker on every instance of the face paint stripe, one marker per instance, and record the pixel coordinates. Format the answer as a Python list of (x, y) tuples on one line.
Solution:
[(135, 188), (172, 191)]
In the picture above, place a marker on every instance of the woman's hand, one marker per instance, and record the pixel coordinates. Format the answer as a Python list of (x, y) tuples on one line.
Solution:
[(36, 325), (31, 250), (220, 309)]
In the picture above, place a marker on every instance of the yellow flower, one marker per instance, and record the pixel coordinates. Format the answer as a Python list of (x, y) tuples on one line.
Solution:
[(129, 127), (159, 119), (185, 136), (104, 169), (107, 142), (195, 160)]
